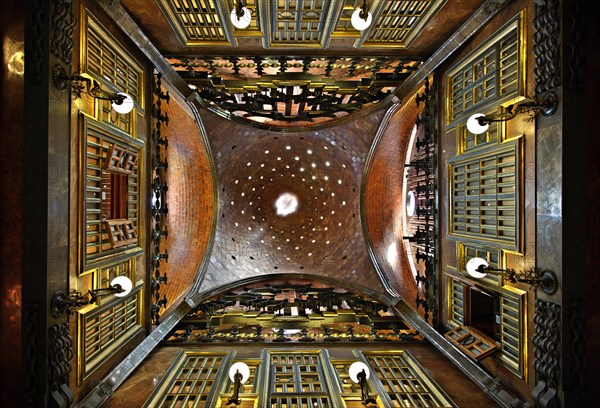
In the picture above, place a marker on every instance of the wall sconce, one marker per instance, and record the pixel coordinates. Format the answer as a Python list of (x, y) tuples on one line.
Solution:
[(361, 18), (120, 286), (544, 279), (121, 102), (359, 373), (240, 15), (545, 104), (238, 373)]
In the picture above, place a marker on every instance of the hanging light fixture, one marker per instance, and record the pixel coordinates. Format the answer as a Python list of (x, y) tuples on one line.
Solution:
[(545, 104), (124, 105), (537, 278), (61, 302), (120, 101), (240, 15), (359, 373), (361, 18), (238, 374)]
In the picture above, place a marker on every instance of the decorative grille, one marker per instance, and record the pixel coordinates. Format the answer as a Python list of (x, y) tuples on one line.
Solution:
[(297, 380), (405, 381), (511, 343), (492, 74), (97, 141), (195, 21), (189, 381), (107, 62), (512, 336), (400, 22), (467, 251), (106, 328), (467, 141), (484, 196), (298, 22), (456, 307)]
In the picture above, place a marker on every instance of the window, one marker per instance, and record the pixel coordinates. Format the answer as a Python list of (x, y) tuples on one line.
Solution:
[(491, 75), (485, 320), (404, 381), (484, 195), (111, 189), (110, 64), (297, 379), (485, 315), (189, 381), (105, 328)]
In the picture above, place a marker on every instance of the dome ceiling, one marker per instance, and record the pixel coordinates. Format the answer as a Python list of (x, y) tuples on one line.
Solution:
[(285, 201), (323, 236)]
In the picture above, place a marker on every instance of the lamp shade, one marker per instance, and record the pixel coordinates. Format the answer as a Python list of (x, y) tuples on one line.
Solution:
[(356, 368), (358, 22), (474, 264), (125, 283), (242, 368), (124, 107), (241, 21), (410, 204), (473, 124)]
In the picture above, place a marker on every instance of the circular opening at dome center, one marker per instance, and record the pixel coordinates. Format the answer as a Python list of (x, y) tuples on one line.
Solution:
[(286, 204)]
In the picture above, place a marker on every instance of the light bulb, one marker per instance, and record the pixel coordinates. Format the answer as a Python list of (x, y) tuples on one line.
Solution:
[(124, 107), (356, 368), (473, 124), (125, 283), (473, 266), (242, 368), (243, 21), (358, 22)]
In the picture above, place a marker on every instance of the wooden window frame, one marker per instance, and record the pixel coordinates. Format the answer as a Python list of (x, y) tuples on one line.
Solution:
[(122, 314), (107, 149), (471, 193), (499, 74)]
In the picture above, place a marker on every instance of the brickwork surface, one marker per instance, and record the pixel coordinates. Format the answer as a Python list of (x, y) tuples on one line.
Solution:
[(189, 199), (322, 168), (384, 200)]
